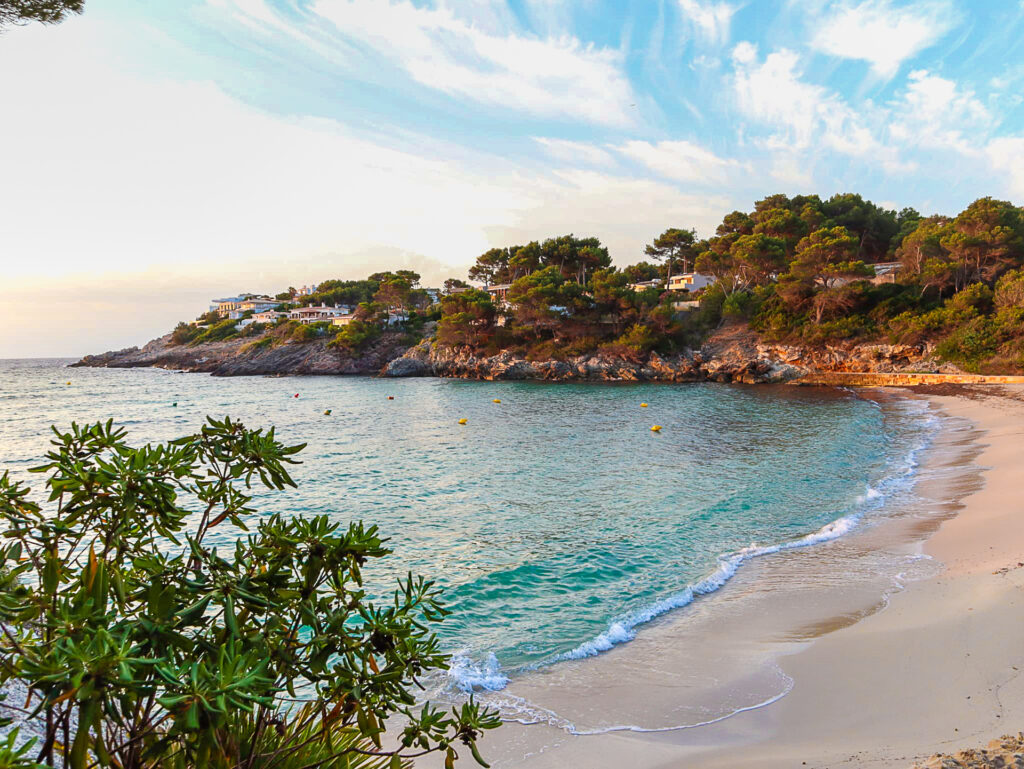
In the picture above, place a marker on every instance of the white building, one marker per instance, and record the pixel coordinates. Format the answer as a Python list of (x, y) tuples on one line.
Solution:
[(269, 316), (643, 285), (241, 303), (689, 281), (317, 314)]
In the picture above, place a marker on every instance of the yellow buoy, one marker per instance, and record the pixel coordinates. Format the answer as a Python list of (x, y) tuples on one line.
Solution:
[(643, 405), (497, 400), (655, 428), (463, 421), (69, 382), (327, 413)]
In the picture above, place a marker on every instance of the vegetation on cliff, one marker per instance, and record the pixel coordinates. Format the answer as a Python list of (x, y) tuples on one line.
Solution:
[(803, 270), (798, 270), (142, 644)]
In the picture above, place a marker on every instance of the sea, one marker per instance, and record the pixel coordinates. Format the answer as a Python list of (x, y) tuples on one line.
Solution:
[(558, 523)]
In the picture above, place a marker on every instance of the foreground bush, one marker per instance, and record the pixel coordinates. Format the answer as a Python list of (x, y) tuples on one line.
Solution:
[(145, 646)]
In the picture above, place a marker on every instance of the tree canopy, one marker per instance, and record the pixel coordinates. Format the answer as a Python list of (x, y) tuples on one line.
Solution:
[(144, 645), (14, 12)]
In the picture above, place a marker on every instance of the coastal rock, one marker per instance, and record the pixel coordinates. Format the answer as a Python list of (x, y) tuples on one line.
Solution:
[(733, 353), (413, 363), (249, 357)]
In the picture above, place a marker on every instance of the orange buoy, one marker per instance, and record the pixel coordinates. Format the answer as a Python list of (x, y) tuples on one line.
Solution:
[(643, 405), (391, 397)]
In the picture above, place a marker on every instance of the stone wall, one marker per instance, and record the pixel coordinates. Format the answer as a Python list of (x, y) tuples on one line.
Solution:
[(874, 379)]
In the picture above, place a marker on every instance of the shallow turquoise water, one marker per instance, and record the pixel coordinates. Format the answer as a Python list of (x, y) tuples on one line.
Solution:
[(557, 521)]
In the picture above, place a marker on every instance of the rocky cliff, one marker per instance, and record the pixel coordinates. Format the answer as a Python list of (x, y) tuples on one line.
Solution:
[(732, 354), (240, 357)]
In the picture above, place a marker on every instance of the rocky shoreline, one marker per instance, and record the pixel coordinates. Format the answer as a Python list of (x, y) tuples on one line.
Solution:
[(732, 354)]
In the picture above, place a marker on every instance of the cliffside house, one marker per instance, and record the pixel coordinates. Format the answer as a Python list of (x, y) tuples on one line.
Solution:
[(885, 272), (269, 316), (643, 285), (343, 320), (243, 303), (686, 306), (689, 281), (317, 314), (499, 293), (306, 290)]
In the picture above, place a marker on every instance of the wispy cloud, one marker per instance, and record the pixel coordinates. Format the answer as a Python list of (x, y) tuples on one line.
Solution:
[(881, 33), (558, 77), (803, 116), (711, 18), (581, 153), (680, 160), (935, 112)]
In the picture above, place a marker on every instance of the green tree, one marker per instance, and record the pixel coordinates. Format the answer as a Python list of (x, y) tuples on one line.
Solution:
[(544, 298), (986, 238), (642, 271), (828, 257), (44, 11), (783, 224), (452, 284), (673, 246), (144, 645), (466, 318), (491, 267)]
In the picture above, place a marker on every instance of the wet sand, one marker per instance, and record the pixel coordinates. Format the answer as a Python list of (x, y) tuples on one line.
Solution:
[(877, 649)]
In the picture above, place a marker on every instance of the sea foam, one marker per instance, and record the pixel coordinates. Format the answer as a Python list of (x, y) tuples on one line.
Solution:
[(468, 676)]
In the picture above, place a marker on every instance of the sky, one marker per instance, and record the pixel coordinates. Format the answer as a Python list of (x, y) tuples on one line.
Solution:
[(159, 154)]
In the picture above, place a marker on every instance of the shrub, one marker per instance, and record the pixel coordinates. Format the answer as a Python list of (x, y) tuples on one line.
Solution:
[(184, 333), (224, 330), (304, 333), (263, 343), (144, 646), (969, 344), (638, 338), (355, 336)]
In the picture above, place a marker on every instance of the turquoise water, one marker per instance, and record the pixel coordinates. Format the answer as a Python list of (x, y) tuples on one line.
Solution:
[(557, 521)]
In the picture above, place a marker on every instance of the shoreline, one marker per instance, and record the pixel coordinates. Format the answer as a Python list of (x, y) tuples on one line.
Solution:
[(936, 671)]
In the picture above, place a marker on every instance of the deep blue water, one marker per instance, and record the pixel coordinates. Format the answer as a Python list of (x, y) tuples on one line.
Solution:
[(556, 520)]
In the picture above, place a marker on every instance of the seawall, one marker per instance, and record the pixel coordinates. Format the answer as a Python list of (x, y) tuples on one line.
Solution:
[(877, 379)]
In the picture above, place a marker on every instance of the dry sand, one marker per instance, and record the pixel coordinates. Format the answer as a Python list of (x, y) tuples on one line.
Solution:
[(938, 670)]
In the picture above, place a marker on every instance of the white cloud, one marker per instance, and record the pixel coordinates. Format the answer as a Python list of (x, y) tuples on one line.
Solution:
[(880, 33), (804, 116), (553, 77), (575, 152), (1006, 155), (680, 160), (936, 113), (710, 18)]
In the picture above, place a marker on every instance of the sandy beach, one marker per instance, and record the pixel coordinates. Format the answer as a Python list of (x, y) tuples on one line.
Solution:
[(931, 667)]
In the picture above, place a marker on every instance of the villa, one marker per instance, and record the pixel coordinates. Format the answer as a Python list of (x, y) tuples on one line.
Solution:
[(269, 316), (317, 314), (643, 285), (689, 281), (499, 293), (243, 303)]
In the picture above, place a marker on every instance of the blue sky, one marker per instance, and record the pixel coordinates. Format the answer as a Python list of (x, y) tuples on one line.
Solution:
[(166, 151)]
